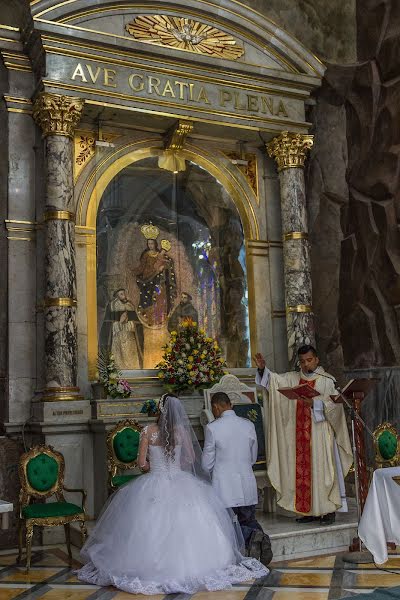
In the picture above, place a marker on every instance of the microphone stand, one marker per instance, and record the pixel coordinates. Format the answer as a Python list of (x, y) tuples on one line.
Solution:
[(362, 556)]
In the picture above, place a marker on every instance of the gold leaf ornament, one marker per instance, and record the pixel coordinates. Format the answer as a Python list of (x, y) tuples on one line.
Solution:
[(184, 34)]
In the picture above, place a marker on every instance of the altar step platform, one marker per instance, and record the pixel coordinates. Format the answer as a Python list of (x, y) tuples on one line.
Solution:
[(289, 539)]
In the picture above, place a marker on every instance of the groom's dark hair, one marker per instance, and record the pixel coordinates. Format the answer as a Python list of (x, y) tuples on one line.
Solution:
[(221, 399)]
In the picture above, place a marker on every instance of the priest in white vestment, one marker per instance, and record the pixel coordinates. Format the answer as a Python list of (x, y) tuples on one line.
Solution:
[(308, 446)]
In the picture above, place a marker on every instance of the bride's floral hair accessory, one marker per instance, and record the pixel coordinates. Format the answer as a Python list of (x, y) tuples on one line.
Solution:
[(161, 402)]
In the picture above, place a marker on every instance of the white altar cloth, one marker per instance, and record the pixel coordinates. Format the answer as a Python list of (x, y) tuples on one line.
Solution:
[(380, 521)]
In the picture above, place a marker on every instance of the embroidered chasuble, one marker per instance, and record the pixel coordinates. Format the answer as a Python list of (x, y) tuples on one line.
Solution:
[(308, 448)]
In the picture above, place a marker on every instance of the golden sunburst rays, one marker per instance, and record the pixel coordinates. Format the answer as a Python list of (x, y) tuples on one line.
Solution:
[(184, 34)]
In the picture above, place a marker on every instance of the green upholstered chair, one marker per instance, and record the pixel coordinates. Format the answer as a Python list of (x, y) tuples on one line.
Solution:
[(122, 452), (41, 473), (387, 450)]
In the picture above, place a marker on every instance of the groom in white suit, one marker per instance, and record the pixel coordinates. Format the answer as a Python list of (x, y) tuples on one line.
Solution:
[(230, 451)]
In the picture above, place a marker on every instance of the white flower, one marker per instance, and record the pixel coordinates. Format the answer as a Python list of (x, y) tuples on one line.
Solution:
[(180, 370), (180, 362), (187, 346), (191, 340)]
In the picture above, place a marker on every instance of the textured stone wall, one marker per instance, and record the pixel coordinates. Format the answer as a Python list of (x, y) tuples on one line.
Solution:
[(326, 27), (353, 198)]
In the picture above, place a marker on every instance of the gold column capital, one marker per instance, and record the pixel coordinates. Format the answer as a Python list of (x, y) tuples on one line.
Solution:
[(290, 149), (57, 114)]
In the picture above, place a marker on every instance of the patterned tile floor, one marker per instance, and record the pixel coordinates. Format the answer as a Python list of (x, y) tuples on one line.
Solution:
[(318, 578)]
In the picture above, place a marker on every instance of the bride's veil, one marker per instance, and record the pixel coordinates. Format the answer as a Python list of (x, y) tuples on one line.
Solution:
[(175, 430)]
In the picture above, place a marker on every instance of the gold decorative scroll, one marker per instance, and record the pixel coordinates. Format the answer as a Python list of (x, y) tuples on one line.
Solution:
[(56, 114), (171, 159), (290, 149), (85, 147), (249, 170), (184, 34)]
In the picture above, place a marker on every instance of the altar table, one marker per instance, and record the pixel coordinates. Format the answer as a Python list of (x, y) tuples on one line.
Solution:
[(5, 509), (380, 521)]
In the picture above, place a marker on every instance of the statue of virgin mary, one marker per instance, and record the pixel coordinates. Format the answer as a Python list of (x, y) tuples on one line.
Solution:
[(155, 278)]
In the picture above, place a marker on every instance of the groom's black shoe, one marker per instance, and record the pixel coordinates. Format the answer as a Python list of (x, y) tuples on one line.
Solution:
[(255, 544), (307, 519), (266, 550)]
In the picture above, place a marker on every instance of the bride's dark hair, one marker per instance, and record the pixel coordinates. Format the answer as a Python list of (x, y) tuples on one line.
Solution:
[(167, 424)]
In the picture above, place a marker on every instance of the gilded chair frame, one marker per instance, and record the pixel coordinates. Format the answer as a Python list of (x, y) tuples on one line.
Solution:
[(379, 459), (27, 492), (113, 463)]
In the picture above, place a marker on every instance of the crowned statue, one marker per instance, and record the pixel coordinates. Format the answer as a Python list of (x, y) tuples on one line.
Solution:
[(155, 278)]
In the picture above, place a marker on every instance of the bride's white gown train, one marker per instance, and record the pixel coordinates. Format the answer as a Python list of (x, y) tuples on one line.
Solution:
[(166, 532)]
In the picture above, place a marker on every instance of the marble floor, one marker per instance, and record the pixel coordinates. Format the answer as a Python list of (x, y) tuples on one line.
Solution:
[(316, 578)]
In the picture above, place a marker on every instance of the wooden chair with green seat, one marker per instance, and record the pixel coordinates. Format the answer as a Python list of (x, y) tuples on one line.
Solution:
[(122, 452), (41, 473), (387, 446)]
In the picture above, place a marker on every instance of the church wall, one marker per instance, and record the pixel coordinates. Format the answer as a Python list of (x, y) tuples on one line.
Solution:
[(22, 264), (353, 197), (325, 27), (3, 253)]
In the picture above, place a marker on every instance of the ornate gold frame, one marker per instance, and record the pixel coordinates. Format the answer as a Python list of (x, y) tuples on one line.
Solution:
[(380, 461), (92, 191), (57, 490), (113, 463)]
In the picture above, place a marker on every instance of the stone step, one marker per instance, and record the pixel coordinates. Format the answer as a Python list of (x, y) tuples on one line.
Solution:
[(289, 539)]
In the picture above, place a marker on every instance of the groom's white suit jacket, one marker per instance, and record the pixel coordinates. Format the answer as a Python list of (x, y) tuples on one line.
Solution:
[(230, 450)]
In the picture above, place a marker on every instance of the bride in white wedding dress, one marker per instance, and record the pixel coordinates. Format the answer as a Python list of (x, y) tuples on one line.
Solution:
[(167, 531)]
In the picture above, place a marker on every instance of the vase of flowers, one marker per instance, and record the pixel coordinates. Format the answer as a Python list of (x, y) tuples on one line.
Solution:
[(149, 408), (191, 360), (111, 377)]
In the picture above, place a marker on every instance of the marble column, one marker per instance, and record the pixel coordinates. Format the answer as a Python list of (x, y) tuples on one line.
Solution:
[(289, 150), (58, 116)]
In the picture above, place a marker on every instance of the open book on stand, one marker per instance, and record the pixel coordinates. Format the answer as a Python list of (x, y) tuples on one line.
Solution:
[(299, 391)]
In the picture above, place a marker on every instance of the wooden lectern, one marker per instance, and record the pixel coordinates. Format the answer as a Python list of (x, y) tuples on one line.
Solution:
[(355, 392)]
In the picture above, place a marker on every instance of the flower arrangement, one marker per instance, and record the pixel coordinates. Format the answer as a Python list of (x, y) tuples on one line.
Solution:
[(149, 408), (111, 377), (191, 360)]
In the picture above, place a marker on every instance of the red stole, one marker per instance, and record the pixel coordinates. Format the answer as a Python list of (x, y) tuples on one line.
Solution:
[(303, 498)]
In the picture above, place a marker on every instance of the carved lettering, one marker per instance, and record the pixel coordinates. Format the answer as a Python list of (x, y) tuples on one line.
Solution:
[(109, 75), (184, 91), (237, 104), (202, 97), (153, 84), (136, 87), (168, 89), (281, 110), (93, 76), (252, 103), (191, 86), (79, 73), (181, 86), (267, 105), (224, 97)]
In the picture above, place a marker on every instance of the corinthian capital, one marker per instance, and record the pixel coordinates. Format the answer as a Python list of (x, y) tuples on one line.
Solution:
[(56, 114), (289, 149)]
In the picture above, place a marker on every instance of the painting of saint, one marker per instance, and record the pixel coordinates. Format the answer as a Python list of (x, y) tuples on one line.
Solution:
[(155, 278), (122, 331), (184, 310)]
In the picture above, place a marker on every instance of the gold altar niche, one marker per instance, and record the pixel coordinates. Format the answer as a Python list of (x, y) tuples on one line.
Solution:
[(92, 184)]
